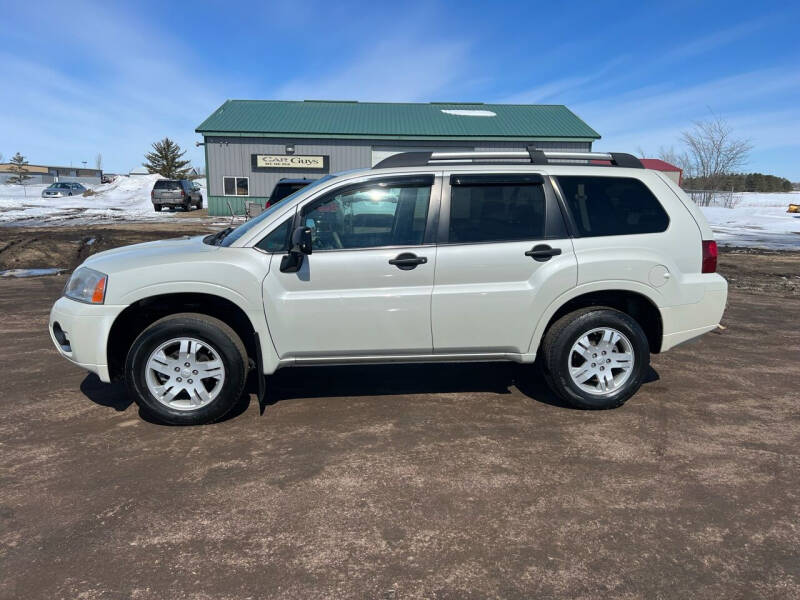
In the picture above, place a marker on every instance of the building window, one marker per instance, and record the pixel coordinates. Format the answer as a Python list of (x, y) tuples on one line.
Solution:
[(236, 186)]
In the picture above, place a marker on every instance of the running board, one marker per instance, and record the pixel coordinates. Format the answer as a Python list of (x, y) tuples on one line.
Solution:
[(307, 361)]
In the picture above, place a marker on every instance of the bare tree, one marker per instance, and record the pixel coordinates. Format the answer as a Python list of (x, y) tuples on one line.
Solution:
[(673, 157), (713, 152), (98, 162)]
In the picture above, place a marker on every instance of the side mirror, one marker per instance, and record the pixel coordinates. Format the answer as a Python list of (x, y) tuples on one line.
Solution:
[(301, 245), (301, 240)]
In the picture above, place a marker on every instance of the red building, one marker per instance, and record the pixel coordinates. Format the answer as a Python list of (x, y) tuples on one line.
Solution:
[(673, 172)]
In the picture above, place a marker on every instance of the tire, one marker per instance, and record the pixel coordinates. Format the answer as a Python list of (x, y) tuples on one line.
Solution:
[(157, 207), (214, 348), (567, 362), (187, 206), (199, 204)]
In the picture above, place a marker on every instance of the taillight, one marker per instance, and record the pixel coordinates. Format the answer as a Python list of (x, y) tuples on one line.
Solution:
[(709, 256), (152, 194), (183, 193)]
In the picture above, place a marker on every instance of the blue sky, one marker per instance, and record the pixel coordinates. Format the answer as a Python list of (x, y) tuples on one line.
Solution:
[(85, 78)]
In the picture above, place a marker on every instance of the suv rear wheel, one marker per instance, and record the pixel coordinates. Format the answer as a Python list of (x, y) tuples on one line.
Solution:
[(595, 358), (186, 369)]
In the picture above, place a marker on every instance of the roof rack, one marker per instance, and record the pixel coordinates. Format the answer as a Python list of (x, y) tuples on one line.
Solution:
[(534, 155)]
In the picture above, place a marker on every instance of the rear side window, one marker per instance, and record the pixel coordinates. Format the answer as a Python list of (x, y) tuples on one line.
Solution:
[(612, 206), (495, 212)]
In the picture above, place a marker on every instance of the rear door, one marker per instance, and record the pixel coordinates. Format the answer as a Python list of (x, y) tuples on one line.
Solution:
[(366, 288), (503, 256)]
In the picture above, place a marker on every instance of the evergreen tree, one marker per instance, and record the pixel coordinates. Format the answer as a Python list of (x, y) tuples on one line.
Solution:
[(166, 160), (19, 166)]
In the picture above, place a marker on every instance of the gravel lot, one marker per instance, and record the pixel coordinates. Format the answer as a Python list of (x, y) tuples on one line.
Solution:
[(410, 481)]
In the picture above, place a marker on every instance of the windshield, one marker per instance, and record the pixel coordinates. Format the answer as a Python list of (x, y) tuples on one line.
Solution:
[(234, 235), (59, 186)]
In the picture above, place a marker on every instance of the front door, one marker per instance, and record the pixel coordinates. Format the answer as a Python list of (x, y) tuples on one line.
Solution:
[(366, 288), (503, 257)]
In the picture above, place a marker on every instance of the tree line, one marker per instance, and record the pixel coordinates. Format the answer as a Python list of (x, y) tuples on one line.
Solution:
[(740, 182)]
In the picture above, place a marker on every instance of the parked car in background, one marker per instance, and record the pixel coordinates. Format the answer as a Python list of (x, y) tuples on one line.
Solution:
[(176, 192), (586, 268), (59, 189), (286, 187), (107, 178)]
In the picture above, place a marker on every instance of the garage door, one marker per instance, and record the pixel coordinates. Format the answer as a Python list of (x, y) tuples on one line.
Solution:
[(381, 152)]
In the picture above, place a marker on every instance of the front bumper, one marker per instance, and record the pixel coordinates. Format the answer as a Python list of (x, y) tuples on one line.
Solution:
[(80, 333)]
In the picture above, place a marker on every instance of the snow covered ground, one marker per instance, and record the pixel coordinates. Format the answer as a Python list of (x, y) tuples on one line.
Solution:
[(758, 221), (126, 198)]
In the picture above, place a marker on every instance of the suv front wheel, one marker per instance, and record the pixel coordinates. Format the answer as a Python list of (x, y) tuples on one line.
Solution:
[(595, 358), (186, 369)]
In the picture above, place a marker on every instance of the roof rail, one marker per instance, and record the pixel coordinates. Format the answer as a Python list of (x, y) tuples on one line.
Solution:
[(533, 155)]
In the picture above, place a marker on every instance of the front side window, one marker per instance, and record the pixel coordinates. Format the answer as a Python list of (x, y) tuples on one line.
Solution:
[(612, 206), (371, 215), (496, 212), (236, 186)]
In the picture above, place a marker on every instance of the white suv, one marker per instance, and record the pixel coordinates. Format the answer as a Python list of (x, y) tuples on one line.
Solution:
[(589, 266)]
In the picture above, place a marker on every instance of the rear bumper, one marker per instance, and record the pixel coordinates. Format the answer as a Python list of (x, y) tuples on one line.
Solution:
[(80, 333), (687, 321), (171, 201)]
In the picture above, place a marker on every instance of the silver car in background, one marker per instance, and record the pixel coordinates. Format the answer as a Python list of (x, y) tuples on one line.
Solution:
[(60, 189)]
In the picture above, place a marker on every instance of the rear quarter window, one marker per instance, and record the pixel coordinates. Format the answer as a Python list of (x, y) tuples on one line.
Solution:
[(603, 206)]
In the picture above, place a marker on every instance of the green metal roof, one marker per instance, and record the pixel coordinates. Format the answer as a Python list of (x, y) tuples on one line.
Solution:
[(332, 119)]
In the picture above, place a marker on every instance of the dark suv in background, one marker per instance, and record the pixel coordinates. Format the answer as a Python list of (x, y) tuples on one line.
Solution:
[(176, 192), (286, 187)]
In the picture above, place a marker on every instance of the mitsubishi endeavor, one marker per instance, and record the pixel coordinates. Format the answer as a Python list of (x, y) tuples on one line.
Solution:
[(584, 262)]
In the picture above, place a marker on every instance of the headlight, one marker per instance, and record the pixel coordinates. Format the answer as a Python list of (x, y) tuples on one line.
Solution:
[(87, 285)]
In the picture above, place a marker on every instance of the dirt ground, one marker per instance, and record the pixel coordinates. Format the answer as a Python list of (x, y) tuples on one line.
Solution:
[(458, 481)]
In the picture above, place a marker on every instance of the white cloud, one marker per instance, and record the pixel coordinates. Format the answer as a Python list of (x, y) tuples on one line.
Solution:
[(400, 69), (660, 109), (128, 83)]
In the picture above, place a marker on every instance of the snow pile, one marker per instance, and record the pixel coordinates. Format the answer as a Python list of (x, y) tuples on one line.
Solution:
[(758, 220), (30, 272), (126, 198)]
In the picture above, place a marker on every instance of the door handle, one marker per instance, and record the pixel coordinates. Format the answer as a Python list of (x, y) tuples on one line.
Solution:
[(407, 261), (542, 252)]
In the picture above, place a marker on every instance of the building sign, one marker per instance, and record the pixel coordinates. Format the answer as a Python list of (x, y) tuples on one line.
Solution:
[(283, 162)]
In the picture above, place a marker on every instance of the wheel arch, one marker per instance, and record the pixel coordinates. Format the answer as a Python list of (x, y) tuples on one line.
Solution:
[(632, 299), (141, 314)]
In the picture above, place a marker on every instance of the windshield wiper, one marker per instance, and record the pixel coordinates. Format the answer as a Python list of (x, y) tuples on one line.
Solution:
[(215, 239)]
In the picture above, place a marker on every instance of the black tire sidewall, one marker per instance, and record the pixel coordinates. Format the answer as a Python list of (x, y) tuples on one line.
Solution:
[(162, 331), (558, 357)]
